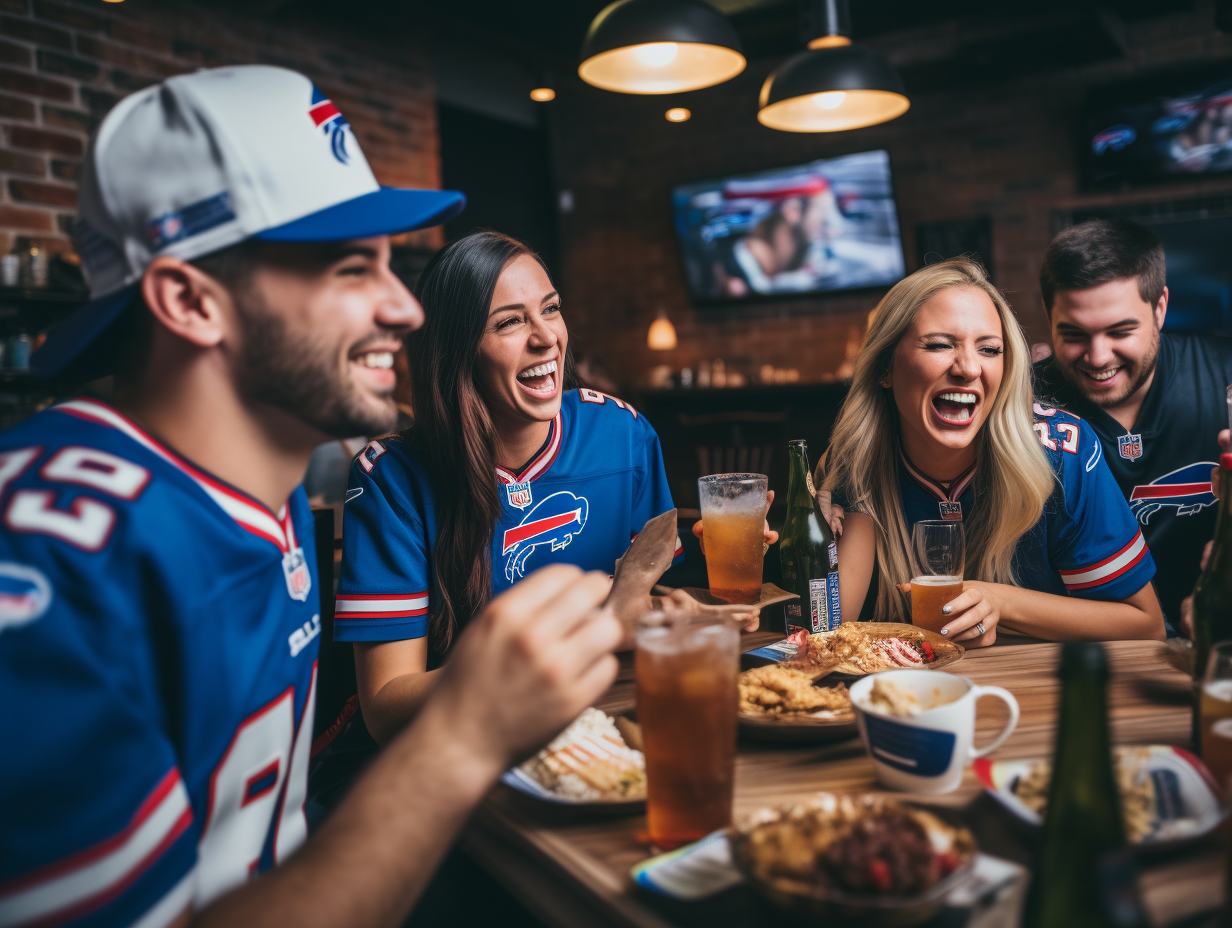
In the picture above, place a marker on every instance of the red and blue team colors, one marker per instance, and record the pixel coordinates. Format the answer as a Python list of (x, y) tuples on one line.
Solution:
[(585, 495), (158, 645), (1086, 543)]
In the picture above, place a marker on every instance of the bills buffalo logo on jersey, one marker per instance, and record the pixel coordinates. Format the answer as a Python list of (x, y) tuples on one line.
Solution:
[(1186, 489), (327, 117), (25, 594), (553, 522)]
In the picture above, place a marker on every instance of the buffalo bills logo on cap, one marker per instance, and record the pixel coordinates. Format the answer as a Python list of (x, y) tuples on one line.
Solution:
[(553, 522), (327, 117), (1186, 489), (25, 594)]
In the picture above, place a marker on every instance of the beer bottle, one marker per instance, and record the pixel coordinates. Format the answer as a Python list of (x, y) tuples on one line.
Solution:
[(1212, 601), (1082, 826), (807, 550)]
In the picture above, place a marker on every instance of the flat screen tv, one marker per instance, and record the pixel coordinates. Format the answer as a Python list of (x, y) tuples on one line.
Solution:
[(814, 228), (1176, 127)]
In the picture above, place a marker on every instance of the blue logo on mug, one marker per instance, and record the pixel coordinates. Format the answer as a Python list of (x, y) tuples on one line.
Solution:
[(920, 751)]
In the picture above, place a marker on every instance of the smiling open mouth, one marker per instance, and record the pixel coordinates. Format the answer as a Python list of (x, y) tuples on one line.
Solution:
[(539, 380), (380, 360), (1102, 376), (956, 407)]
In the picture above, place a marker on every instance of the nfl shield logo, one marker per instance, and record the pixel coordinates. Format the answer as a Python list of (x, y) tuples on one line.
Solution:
[(519, 494), (299, 580), (1130, 446)]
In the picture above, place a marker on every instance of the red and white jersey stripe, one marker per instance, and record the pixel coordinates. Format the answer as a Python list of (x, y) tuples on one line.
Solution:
[(541, 462), (250, 514), (1108, 569), (98, 874), (384, 606)]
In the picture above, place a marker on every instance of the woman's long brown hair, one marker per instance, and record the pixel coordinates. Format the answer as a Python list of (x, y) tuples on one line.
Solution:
[(453, 428)]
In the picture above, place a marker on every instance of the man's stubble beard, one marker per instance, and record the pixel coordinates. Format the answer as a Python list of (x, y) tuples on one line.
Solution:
[(1145, 370), (300, 376)]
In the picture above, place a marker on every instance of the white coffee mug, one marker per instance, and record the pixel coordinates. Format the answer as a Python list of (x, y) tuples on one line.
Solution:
[(927, 753)]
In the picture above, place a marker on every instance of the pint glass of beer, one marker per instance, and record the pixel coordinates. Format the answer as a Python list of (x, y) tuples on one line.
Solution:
[(733, 520), (1216, 714), (938, 556), (686, 704)]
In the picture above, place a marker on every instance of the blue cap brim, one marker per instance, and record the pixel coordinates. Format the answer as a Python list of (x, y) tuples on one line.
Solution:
[(387, 211), (68, 340)]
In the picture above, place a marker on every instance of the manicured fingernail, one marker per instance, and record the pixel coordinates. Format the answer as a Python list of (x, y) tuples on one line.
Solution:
[(945, 631), (945, 610)]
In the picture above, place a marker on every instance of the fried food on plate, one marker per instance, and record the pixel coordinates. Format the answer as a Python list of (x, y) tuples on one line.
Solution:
[(777, 690)]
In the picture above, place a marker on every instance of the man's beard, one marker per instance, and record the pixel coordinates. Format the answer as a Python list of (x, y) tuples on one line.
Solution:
[(301, 377), (1112, 401)]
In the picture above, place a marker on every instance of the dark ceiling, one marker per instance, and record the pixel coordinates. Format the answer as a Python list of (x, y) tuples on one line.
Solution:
[(988, 41), (553, 29)]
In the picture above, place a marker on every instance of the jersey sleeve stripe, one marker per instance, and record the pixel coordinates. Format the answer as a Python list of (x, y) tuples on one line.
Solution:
[(1108, 569), (381, 607), (97, 875)]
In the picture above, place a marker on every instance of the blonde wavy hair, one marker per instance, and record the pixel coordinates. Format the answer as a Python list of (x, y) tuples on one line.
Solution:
[(1013, 479)]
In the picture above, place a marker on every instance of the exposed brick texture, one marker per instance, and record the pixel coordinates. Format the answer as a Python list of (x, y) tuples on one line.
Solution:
[(1009, 152), (65, 63)]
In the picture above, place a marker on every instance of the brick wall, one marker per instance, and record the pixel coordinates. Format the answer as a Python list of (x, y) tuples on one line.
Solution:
[(64, 64), (1009, 151)]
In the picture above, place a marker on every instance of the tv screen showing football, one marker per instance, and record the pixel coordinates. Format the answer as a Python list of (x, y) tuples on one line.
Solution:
[(820, 227)]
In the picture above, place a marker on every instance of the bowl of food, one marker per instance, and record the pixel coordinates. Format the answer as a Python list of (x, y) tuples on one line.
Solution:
[(786, 704), (853, 857), (596, 763), (1168, 797)]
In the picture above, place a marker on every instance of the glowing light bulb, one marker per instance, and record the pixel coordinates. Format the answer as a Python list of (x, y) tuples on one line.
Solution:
[(830, 100), (656, 54), (677, 114), (543, 94)]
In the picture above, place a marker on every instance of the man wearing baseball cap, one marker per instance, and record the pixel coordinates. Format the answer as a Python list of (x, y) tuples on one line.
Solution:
[(158, 633)]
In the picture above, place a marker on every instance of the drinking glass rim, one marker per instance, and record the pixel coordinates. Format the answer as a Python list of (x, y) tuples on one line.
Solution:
[(715, 478), (932, 522)]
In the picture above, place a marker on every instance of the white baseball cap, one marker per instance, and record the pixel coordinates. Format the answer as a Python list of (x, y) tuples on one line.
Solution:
[(203, 161)]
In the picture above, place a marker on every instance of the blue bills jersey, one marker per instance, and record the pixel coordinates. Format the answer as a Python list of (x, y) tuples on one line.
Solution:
[(591, 488), (1163, 464), (158, 668), (1086, 543)]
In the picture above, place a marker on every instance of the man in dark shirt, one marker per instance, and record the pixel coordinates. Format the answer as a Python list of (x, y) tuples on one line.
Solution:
[(1156, 400)]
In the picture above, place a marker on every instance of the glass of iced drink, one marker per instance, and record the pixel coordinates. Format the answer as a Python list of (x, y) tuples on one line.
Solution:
[(1216, 714), (938, 554), (733, 520), (686, 704)]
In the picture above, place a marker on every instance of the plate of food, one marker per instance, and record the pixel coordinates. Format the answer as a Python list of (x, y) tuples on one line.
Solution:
[(1168, 797), (780, 703), (596, 763), (853, 857), (856, 649)]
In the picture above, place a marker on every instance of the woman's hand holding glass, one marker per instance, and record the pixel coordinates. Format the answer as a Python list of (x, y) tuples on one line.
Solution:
[(978, 602), (770, 536)]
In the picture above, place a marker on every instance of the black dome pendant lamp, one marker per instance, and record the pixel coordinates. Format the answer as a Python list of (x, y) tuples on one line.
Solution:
[(660, 46), (834, 85)]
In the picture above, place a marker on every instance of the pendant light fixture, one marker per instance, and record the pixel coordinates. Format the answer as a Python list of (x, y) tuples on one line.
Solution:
[(660, 46), (834, 85)]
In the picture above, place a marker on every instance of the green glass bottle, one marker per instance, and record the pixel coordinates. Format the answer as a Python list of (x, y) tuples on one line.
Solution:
[(1083, 824), (807, 550), (1212, 601)]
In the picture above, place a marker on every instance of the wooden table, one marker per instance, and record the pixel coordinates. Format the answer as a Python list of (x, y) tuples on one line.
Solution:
[(572, 870)]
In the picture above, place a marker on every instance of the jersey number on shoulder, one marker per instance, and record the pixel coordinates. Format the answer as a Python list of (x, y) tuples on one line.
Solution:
[(267, 761), (594, 396), (1067, 432), (85, 524)]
